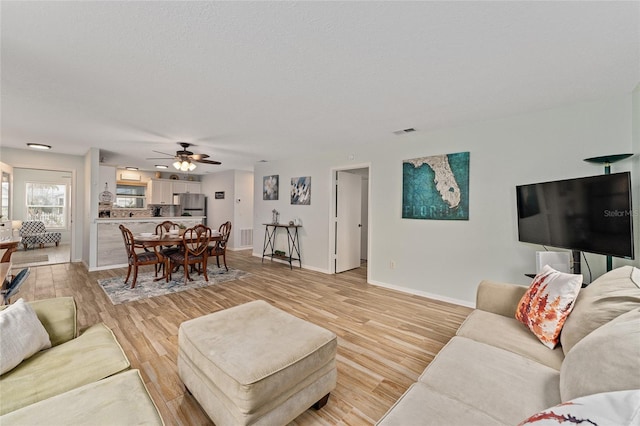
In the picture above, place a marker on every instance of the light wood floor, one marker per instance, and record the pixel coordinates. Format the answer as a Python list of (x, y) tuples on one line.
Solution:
[(385, 338), (31, 257)]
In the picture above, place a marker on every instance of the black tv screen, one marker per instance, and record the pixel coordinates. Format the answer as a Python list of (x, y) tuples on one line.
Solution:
[(591, 214)]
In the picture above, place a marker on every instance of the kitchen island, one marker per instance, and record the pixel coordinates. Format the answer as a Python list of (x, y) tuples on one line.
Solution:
[(111, 251)]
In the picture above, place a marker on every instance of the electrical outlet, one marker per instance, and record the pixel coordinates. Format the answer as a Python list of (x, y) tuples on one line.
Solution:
[(392, 264)]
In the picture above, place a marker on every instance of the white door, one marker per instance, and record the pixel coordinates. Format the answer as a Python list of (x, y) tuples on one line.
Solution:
[(348, 226)]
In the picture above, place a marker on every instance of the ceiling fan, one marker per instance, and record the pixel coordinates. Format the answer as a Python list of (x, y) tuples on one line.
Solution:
[(184, 159)]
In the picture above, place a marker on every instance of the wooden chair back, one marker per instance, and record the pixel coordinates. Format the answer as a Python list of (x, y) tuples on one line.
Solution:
[(164, 227), (196, 240), (225, 232), (127, 236)]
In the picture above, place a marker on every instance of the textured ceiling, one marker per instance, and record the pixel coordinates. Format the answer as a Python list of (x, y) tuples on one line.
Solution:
[(247, 81)]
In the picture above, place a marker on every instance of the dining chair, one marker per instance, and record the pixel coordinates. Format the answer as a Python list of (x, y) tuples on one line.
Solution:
[(138, 258), (163, 229), (219, 248), (195, 242)]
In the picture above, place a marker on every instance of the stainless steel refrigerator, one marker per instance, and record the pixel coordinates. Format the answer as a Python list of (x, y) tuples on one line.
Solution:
[(193, 204)]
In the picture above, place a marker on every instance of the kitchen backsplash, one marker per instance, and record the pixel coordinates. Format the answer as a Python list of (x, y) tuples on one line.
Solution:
[(148, 212)]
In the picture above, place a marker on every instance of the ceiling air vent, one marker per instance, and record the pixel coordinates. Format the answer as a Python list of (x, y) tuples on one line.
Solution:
[(404, 131)]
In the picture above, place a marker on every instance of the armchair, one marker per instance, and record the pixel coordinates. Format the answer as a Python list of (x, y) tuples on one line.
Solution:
[(34, 232)]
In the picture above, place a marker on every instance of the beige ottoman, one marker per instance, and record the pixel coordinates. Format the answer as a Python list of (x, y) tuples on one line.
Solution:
[(255, 364)]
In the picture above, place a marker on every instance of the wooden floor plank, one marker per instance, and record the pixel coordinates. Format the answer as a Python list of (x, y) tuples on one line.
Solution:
[(385, 338)]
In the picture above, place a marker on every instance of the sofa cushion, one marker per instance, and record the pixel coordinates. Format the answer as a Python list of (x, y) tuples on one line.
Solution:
[(122, 399), (22, 335), (509, 334), (609, 408), (546, 305), (606, 360), (423, 405), (499, 383), (92, 356), (612, 294), (58, 315)]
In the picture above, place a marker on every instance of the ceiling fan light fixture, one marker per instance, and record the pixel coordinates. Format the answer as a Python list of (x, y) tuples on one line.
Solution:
[(192, 167), (177, 164)]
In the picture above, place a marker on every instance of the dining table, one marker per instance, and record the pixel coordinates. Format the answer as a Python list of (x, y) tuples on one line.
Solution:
[(154, 241)]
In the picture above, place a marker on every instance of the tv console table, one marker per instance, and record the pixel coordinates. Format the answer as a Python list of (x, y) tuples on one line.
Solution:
[(293, 243)]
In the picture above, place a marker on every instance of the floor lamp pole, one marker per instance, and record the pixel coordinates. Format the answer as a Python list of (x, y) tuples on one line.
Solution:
[(607, 160)]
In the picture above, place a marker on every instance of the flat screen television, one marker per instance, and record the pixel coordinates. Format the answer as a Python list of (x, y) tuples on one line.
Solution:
[(591, 214)]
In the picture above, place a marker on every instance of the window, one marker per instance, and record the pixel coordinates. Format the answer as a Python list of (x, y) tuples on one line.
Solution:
[(5, 199), (130, 196), (47, 202)]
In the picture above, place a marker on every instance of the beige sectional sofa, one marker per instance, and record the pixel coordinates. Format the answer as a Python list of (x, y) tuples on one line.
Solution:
[(81, 379), (496, 372)]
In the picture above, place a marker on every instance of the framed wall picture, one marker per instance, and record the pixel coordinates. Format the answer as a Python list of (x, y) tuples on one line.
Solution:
[(270, 187), (301, 190), (436, 187), (219, 195)]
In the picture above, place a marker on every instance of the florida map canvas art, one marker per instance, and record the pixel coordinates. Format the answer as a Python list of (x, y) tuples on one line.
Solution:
[(436, 187)]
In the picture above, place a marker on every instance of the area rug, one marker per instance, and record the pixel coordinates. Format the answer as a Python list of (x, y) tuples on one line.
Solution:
[(27, 259), (119, 292)]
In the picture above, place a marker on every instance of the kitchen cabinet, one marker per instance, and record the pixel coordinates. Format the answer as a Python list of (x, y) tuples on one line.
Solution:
[(180, 187), (160, 192)]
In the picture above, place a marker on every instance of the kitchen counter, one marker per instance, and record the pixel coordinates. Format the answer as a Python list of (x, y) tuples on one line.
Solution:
[(111, 251), (158, 219)]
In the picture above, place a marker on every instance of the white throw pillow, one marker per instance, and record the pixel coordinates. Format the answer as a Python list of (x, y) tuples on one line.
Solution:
[(609, 408), (547, 304), (21, 335)]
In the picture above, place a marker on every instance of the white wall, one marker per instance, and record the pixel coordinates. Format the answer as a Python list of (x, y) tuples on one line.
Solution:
[(219, 211), (314, 233), (243, 206), (237, 185), (449, 258)]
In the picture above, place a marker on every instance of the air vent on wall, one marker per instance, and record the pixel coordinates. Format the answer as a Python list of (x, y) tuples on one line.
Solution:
[(246, 237)]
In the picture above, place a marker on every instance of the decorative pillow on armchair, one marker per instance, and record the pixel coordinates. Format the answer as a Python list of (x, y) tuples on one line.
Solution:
[(547, 304), (22, 335)]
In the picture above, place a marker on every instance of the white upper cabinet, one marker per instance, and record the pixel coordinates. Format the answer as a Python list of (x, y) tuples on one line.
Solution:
[(180, 187), (160, 191)]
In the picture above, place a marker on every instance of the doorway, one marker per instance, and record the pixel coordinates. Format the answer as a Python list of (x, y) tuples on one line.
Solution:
[(350, 218), (43, 195)]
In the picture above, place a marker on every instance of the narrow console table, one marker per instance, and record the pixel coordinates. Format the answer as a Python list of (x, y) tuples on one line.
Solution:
[(293, 243)]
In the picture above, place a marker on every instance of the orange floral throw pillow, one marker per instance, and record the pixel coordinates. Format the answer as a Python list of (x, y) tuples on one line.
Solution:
[(547, 304)]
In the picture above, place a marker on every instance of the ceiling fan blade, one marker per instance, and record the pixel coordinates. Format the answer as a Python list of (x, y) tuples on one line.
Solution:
[(198, 157), (207, 161), (164, 153)]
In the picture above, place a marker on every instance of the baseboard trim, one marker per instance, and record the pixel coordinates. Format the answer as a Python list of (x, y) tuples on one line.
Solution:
[(311, 268), (103, 268), (239, 248), (425, 294)]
